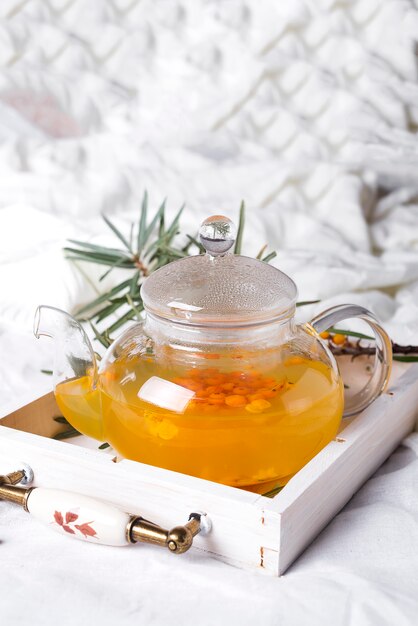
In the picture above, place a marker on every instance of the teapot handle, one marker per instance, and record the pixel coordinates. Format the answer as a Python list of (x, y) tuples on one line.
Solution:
[(382, 361)]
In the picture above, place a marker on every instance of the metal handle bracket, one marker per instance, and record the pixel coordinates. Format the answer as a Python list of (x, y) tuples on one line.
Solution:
[(126, 528)]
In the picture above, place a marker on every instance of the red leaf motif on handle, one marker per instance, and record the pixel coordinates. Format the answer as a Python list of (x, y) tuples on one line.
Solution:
[(58, 518), (70, 517), (86, 529), (68, 529)]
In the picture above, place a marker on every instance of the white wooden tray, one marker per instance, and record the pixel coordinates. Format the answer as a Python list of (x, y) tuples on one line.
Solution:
[(249, 530)]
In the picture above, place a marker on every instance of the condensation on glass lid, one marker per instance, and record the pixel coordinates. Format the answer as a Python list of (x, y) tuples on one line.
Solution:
[(226, 289)]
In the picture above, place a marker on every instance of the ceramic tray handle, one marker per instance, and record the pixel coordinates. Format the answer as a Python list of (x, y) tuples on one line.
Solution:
[(80, 516), (88, 519), (383, 359)]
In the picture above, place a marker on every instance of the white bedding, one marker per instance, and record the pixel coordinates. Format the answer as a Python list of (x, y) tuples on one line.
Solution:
[(306, 110)]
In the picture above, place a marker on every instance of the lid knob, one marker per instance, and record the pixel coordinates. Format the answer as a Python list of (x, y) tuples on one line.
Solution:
[(217, 234)]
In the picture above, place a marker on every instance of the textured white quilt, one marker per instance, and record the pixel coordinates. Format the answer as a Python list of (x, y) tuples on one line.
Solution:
[(307, 110)]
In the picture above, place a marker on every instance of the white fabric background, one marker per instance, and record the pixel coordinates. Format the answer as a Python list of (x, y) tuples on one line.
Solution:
[(307, 110)]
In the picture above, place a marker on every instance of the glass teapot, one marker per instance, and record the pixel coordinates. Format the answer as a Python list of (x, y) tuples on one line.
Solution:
[(218, 381)]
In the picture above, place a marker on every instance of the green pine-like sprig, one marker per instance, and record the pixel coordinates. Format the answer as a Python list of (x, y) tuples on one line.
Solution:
[(151, 244)]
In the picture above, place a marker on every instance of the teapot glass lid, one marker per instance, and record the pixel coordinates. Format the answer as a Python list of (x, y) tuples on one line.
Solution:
[(219, 288)]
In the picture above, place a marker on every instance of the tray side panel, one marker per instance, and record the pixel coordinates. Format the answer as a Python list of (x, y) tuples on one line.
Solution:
[(240, 536), (316, 494)]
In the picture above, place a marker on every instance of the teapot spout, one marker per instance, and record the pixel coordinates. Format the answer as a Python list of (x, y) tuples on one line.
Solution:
[(75, 369), (74, 354)]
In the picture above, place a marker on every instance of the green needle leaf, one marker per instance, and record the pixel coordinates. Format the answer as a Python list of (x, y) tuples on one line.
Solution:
[(67, 434), (142, 228), (193, 240), (161, 226), (177, 254), (108, 310), (129, 315), (240, 232), (95, 248), (134, 308), (306, 302), (262, 251), (101, 338), (349, 333), (157, 217), (109, 257), (106, 297), (112, 267), (61, 420), (117, 233), (273, 492), (133, 284), (99, 259), (269, 257), (173, 228)]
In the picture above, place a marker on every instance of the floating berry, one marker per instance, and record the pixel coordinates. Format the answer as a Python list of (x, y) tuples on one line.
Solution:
[(294, 360), (216, 398), (241, 391), (235, 401), (257, 406)]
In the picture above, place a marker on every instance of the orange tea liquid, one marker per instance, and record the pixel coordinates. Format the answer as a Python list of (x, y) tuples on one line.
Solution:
[(248, 429), (81, 406)]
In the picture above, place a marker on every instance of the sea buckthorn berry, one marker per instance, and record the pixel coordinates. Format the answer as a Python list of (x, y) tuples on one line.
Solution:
[(269, 382), (217, 395), (212, 389), (261, 404), (215, 401), (210, 371), (268, 393), (248, 377), (325, 334), (338, 339), (257, 406), (294, 360), (252, 409), (236, 401), (184, 382), (255, 396), (194, 386), (241, 391), (216, 398), (196, 403), (214, 380), (153, 425), (193, 373), (227, 386), (167, 430)]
